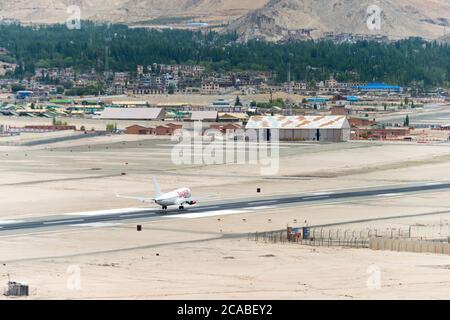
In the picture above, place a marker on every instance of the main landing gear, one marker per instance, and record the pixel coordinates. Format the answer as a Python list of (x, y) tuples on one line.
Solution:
[(164, 207), (181, 207)]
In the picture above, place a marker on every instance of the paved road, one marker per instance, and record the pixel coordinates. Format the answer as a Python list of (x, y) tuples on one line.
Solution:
[(257, 204)]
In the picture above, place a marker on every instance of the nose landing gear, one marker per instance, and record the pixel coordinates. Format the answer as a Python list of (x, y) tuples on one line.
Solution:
[(181, 207)]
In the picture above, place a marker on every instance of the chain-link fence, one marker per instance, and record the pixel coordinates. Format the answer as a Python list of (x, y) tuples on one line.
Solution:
[(357, 238)]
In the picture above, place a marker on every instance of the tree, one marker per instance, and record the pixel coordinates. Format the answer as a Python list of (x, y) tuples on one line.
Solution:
[(17, 87), (406, 122), (237, 102), (171, 89), (59, 90), (110, 127)]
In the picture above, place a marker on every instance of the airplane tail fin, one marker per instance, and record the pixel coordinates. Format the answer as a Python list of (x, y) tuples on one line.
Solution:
[(156, 189)]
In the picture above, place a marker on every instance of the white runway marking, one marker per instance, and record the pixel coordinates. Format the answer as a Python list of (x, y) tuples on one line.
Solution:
[(262, 202), (433, 184), (111, 211), (97, 224), (63, 221), (321, 193), (262, 208), (10, 221), (207, 214), (389, 195), (133, 215)]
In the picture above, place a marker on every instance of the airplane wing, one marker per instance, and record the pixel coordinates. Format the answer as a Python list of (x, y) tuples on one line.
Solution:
[(142, 199)]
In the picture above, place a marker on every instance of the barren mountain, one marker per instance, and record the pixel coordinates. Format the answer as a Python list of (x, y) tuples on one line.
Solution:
[(266, 19), (50, 11), (399, 18)]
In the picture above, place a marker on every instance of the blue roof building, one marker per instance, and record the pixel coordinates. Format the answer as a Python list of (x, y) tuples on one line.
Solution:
[(352, 98), (317, 100), (380, 87), (23, 94)]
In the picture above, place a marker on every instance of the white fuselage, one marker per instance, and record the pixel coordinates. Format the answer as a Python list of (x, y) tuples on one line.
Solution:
[(177, 197)]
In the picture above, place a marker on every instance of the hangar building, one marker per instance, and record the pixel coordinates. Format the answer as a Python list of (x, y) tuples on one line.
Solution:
[(302, 128), (133, 114)]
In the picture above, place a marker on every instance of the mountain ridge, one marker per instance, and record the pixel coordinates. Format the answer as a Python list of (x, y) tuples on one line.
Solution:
[(272, 20)]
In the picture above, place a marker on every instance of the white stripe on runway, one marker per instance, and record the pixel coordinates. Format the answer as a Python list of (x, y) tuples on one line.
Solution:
[(262, 202), (11, 221), (111, 211), (63, 221), (97, 224), (207, 214), (261, 208), (389, 195), (133, 215), (321, 193)]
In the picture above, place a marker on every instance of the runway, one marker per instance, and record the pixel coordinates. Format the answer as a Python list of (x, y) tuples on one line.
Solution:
[(238, 206)]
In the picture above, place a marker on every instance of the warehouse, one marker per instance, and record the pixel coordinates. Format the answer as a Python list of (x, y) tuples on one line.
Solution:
[(301, 128), (378, 87), (133, 114), (209, 116)]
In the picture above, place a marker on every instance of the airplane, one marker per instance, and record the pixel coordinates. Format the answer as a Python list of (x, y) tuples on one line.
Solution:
[(178, 197)]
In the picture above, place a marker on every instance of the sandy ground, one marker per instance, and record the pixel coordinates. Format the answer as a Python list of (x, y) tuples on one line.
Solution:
[(224, 269), (211, 257)]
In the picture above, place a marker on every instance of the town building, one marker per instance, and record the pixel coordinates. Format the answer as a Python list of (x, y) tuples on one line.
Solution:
[(133, 114), (137, 129), (211, 116)]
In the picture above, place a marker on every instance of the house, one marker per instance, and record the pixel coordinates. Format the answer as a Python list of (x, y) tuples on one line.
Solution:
[(232, 117), (137, 129), (356, 122), (339, 111), (210, 88), (390, 133), (226, 128)]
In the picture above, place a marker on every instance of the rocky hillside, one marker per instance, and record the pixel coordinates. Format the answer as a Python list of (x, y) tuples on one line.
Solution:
[(266, 19), (129, 11), (281, 19)]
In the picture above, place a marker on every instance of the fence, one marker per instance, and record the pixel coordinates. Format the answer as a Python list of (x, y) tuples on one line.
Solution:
[(416, 238), (318, 237), (410, 245), (270, 236)]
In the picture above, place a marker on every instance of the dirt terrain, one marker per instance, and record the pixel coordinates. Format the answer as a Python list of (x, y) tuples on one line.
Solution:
[(115, 261)]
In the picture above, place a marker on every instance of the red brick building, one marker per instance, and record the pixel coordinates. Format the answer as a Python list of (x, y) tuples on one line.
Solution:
[(137, 129), (230, 127), (361, 122)]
